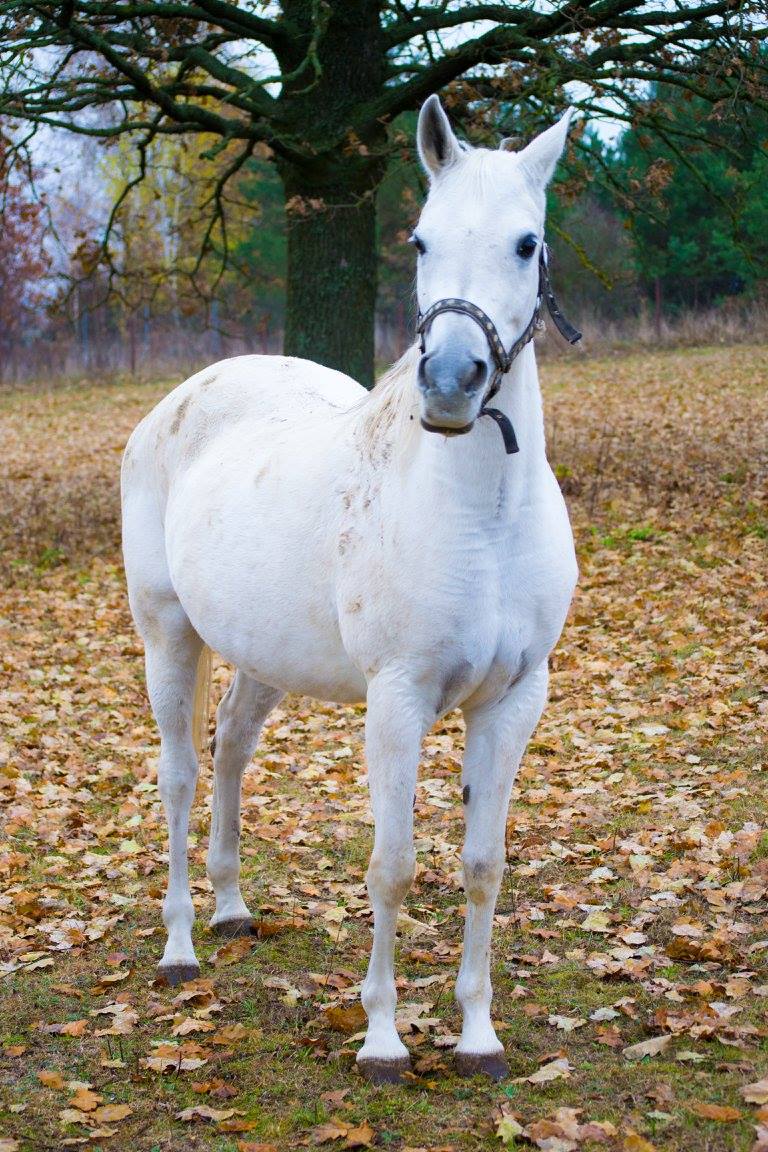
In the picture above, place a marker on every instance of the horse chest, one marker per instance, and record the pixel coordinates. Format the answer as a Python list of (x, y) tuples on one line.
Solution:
[(463, 608)]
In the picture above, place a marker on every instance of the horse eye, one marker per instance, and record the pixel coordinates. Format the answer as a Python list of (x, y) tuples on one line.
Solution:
[(527, 246), (418, 244)]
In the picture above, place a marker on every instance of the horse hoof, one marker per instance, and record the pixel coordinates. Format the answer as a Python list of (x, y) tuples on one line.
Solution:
[(493, 1064), (174, 974), (229, 929), (384, 1071)]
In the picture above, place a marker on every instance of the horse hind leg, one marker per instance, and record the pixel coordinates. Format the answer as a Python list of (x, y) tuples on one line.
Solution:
[(239, 720), (173, 650)]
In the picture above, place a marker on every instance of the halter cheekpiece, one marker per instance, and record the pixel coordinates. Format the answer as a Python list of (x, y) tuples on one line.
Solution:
[(502, 358)]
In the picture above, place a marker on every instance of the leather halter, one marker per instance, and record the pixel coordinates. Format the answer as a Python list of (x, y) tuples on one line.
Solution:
[(502, 359)]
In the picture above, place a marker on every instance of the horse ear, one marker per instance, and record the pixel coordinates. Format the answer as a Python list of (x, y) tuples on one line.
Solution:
[(437, 145), (544, 151)]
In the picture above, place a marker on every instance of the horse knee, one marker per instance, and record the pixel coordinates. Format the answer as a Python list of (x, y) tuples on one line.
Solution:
[(483, 870), (390, 874)]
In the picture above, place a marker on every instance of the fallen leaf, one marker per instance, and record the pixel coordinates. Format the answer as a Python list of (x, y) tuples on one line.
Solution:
[(50, 1079), (111, 1113), (190, 1025), (601, 1014), (74, 1116), (507, 1129), (633, 1142), (237, 1125), (70, 1028), (685, 928), (204, 1112), (232, 1034), (566, 1023), (552, 1071), (195, 992), (360, 1137), (347, 1020), (85, 1100), (756, 1093), (335, 1098), (597, 921), (645, 1048), (331, 1130), (266, 928), (233, 951), (167, 1057), (714, 1111)]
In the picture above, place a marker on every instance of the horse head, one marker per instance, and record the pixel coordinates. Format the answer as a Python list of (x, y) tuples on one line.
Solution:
[(481, 264)]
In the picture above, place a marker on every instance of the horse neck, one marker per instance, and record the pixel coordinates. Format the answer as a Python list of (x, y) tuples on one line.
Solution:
[(473, 473)]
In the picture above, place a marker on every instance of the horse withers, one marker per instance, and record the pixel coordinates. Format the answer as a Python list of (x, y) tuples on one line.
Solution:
[(378, 546)]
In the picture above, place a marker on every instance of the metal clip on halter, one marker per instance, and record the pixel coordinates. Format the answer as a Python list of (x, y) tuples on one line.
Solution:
[(502, 359)]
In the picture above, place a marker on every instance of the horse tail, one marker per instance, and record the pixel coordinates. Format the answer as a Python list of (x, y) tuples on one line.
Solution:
[(201, 702)]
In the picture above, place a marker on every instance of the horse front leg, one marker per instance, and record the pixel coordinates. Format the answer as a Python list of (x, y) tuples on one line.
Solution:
[(393, 734), (496, 739)]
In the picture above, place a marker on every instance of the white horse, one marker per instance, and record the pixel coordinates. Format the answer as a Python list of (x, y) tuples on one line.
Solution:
[(326, 541)]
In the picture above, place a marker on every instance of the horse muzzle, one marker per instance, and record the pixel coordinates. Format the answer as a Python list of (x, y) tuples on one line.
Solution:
[(452, 385)]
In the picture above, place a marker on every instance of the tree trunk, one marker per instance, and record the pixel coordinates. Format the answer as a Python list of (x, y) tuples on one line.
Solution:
[(132, 342), (330, 174), (331, 276), (657, 306)]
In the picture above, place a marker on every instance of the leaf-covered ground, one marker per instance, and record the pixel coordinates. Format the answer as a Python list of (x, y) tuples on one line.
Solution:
[(632, 938)]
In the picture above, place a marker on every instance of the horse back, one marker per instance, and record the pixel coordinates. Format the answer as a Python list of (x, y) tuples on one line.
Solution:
[(274, 393)]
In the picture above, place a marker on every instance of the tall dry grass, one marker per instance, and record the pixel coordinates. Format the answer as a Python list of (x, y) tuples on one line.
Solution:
[(730, 323)]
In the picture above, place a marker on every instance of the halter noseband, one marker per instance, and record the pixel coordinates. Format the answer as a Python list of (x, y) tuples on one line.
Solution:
[(501, 358)]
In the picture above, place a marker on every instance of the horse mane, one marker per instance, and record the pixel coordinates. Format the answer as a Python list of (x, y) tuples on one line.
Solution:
[(388, 415)]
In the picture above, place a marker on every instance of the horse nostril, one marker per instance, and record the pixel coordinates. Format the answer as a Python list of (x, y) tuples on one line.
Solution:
[(477, 377), (422, 375)]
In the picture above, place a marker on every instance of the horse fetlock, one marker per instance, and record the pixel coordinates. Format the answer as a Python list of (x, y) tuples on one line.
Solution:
[(222, 869), (379, 999), (385, 1048), (178, 913), (474, 992)]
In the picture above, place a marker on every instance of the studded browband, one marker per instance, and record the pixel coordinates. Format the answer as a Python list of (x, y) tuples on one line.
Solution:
[(502, 359)]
